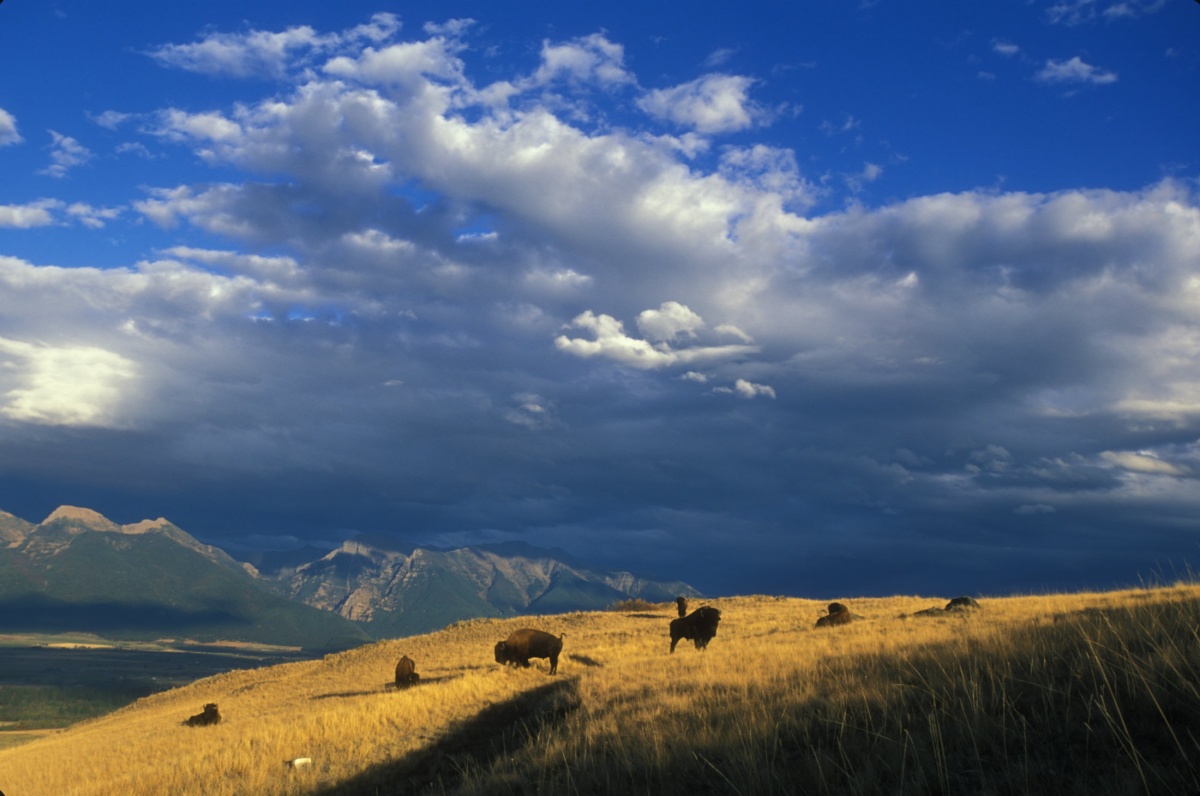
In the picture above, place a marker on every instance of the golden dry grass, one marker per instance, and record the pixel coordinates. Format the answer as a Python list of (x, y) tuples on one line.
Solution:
[(1078, 693)]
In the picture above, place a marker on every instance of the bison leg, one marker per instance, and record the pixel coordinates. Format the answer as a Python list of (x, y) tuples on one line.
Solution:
[(554, 663), (674, 641)]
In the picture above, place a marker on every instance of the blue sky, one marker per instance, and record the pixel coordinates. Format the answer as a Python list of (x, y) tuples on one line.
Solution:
[(826, 299)]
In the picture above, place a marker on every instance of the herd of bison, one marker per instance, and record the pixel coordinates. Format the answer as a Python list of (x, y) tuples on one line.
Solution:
[(698, 627)]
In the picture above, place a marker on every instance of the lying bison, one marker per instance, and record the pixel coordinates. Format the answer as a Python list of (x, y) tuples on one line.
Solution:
[(209, 717), (526, 643), (406, 672), (838, 615), (699, 627), (681, 605), (957, 605)]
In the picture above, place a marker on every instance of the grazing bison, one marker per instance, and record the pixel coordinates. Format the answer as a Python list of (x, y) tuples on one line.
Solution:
[(681, 604), (699, 627), (838, 615), (526, 643), (957, 605), (406, 672), (208, 717)]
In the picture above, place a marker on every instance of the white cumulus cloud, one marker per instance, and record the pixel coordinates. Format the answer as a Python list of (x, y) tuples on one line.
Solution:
[(669, 321), (714, 103), (1074, 70), (611, 342), (65, 154), (63, 385), (33, 214), (240, 54), (1141, 463), (588, 59), (8, 129)]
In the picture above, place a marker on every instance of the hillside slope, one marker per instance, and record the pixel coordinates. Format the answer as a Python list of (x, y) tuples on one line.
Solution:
[(1070, 694)]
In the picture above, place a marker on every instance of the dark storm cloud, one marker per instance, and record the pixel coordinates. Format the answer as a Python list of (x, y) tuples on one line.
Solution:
[(450, 312)]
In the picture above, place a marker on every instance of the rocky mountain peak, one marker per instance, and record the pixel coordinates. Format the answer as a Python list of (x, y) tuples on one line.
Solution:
[(95, 521), (92, 520), (145, 526), (13, 529)]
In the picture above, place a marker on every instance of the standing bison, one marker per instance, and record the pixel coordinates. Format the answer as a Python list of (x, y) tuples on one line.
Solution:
[(681, 606), (527, 643), (406, 672), (209, 717), (699, 627)]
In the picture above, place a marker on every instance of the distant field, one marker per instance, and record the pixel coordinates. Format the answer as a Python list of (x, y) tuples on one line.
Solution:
[(49, 682)]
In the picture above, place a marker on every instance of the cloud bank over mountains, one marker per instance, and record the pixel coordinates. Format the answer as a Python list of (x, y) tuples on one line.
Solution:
[(568, 305)]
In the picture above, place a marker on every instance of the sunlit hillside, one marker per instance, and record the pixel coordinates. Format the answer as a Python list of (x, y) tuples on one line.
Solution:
[(1083, 693)]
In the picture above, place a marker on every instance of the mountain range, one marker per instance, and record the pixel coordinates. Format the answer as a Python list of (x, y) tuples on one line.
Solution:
[(392, 593), (79, 571)]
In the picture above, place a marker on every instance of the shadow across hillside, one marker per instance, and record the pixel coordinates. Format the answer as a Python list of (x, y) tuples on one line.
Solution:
[(497, 730), (385, 687)]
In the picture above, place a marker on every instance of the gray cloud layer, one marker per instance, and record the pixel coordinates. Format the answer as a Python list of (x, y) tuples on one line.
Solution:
[(463, 312)]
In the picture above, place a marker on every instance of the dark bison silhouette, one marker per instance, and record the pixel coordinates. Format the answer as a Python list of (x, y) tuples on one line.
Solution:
[(209, 717), (957, 605), (838, 615), (527, 643), (406, 672), (699, 627), (681, 604)]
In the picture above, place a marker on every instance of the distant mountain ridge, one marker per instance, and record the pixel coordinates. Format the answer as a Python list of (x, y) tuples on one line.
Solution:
[(78, 570), (394, 593)]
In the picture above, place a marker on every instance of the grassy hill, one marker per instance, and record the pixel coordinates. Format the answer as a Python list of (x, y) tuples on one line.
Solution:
[(1070, 694)]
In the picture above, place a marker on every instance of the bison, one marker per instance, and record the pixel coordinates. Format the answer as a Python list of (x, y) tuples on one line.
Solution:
[(210, 716), (962, 604), (699, 627), (681, 604), (521, 645), (838, 615), (406, 672), (957, 605)]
